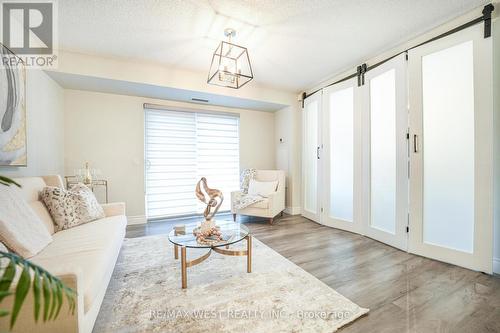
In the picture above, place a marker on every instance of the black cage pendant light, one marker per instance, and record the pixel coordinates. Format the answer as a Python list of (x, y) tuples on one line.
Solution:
[(230, 65)]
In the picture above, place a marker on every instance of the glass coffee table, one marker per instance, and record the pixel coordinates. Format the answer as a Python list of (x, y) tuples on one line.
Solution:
[(232, 233)]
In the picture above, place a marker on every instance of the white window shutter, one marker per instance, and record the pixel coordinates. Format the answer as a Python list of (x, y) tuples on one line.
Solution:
[(181, 147)]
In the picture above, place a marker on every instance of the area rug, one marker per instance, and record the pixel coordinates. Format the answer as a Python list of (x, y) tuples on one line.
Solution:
[(145, 293)]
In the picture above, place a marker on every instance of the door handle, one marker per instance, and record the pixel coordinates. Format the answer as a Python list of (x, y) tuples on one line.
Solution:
[(415, 143), (317, 152)]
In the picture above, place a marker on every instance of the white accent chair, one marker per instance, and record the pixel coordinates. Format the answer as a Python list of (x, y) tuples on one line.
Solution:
[(269, 207)]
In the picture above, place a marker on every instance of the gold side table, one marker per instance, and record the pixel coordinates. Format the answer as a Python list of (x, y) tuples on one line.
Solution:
[(73, 180)]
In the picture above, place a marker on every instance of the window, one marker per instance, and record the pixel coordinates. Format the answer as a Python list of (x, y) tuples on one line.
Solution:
[(181, 147)]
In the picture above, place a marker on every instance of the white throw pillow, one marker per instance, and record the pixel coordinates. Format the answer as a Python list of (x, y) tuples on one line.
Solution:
[(262, 188), (72, 207), (21, 230)]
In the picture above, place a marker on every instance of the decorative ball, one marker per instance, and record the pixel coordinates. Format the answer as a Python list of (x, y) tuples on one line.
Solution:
[(208, 237)]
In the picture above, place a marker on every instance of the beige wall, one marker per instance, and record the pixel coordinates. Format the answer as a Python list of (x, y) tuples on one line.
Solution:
[(45, 127), (287, 124), (108, 131), (132, 70)]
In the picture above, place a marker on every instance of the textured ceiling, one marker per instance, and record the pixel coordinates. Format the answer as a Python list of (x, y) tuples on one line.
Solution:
[(292, 43)]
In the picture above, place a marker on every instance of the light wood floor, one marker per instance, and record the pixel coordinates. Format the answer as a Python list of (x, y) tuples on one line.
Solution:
[(404, 292)]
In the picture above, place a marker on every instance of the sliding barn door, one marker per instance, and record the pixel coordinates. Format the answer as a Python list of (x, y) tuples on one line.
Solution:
[(341, 182), (311, 175), (451, 150), (385, 153)]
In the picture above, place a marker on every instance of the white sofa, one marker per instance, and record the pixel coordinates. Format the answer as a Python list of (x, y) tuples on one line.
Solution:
[(269, 207), (83, 257)]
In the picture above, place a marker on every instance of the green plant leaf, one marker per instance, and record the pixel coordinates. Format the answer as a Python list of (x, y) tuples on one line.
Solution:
[(59, 296), (47, 289), (7, 277), (37, 288), (70, 296), (4, 294), (7, 181), (46, 297), (53, 306), (23, 286), (3, 312)]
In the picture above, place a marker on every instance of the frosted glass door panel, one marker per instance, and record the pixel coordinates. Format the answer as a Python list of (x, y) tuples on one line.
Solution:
[(310, 157), (451, 160), (448, 147), (341, 156), (383, 151)]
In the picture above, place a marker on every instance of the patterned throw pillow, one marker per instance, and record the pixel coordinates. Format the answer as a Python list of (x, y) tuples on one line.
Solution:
[(72, 207), (245, 178)]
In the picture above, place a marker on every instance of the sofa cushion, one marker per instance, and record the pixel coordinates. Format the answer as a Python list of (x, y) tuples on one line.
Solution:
[(41, 211), (73, 207), (31, 187), (91, 249), (20, 229), (30, 190)]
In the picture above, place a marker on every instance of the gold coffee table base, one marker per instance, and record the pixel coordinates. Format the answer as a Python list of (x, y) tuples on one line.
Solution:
[(185, 264)]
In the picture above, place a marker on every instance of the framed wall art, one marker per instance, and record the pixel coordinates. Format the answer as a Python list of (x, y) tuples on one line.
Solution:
[(13, 145)]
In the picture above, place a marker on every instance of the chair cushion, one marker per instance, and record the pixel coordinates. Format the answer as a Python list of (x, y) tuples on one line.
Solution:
[(91, 249)]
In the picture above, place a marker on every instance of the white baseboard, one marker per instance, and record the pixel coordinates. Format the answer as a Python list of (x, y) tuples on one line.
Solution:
[(140, 219), (293, 210), (496, 265)]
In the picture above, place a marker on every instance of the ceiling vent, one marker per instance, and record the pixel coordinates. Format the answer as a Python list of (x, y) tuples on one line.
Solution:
[(199, 100)]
